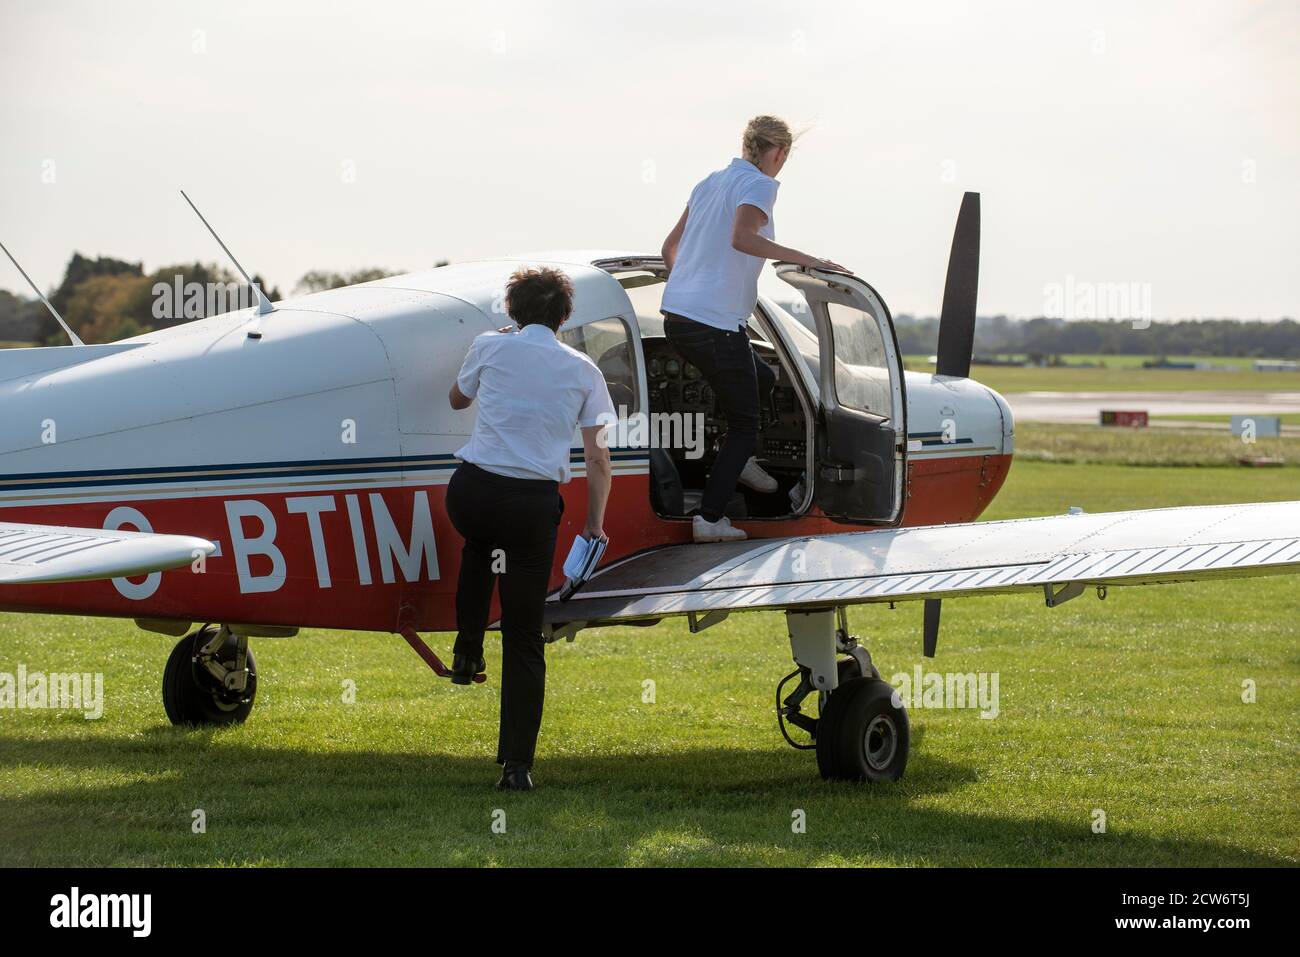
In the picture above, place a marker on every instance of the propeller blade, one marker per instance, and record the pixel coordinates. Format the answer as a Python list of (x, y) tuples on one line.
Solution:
[(957, 318), (932, 606)]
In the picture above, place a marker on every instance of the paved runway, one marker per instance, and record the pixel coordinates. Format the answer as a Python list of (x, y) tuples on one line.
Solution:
[(1087, 406)]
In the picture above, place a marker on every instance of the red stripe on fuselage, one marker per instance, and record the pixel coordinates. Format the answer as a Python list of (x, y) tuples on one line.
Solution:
[(940, 490)]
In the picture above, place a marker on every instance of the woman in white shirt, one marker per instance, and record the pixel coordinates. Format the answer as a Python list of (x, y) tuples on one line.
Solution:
[(504, 498), (714, 255)]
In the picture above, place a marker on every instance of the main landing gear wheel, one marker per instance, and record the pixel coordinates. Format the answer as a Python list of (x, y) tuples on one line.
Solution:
[(861, 731), (861, 734), (847, 669), (210, 678)]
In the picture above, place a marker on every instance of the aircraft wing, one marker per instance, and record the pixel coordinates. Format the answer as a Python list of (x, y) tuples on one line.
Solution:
[(1059, 555), (31, 554)]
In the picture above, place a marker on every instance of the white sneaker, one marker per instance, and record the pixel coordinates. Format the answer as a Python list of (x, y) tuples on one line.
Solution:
[(719, 531), (754, 477)]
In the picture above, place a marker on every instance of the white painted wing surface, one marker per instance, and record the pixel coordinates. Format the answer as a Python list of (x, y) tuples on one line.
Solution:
[(1152, 546), (31, 554)]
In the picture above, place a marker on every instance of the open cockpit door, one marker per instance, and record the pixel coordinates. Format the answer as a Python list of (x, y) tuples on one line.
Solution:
[(862, 430)]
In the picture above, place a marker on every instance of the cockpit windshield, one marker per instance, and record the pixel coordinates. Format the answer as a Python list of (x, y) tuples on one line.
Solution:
[(801, 336)]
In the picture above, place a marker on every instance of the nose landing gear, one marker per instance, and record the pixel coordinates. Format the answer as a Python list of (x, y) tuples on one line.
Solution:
[(861, 732)]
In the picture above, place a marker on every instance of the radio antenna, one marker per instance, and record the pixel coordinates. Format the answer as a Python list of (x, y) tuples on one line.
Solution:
[(76, 340), (263, 304)]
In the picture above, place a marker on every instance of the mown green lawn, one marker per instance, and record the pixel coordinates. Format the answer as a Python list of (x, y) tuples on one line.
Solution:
[(1244, 363), (1131, 707), (1100, 445), (1288, 418), (1125, 374)]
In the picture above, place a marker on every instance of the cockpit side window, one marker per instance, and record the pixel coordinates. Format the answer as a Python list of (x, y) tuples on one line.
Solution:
[(862, 366), (609, 343)]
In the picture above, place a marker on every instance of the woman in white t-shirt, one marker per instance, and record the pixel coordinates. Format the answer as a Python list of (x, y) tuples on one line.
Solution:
[(714, 255)]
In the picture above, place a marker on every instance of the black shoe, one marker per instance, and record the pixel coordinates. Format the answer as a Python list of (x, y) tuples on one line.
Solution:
[(465, 667), (515, 777)]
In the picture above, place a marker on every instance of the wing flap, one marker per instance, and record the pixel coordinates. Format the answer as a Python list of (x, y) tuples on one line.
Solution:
[(1153, 546), (41, 554)]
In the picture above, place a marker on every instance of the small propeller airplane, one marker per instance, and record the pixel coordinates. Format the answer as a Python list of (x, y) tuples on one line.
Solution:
[(284, 466)]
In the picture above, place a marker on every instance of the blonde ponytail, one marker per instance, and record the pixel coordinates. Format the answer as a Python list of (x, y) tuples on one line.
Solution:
[(762, 133)]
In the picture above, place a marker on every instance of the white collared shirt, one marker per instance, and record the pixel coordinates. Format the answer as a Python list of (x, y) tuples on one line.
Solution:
[(710, 281), (532, 392)]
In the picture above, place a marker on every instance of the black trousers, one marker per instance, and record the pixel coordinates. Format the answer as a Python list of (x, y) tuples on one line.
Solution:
[(509, 528), (742, 383)]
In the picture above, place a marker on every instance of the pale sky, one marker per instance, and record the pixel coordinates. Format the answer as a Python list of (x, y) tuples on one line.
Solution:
[(1154, 143)]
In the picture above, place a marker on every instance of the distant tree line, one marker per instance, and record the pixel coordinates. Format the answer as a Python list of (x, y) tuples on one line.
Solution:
[(1045, 338), (999, 335), (106, 299), (319, 281)]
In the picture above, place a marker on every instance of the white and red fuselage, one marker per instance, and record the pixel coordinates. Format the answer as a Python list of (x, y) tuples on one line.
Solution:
[(317, 455)]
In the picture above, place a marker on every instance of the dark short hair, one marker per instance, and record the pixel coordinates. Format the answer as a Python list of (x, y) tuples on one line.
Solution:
[(542, 295)]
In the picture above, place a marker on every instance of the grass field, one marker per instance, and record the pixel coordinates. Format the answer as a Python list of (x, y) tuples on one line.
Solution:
[(1288, 418), (1124, 374), (1132, 706), (1094, 445), (1239, 363), (1243, 363)]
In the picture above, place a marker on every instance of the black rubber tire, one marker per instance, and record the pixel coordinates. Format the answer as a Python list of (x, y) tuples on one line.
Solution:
[(191, 696), (862, 735), (849, 669)]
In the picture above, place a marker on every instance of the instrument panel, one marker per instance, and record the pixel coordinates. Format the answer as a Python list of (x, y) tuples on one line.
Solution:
[(676, 385)]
